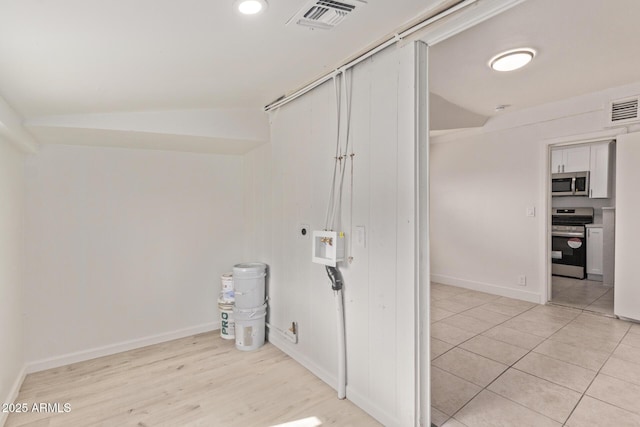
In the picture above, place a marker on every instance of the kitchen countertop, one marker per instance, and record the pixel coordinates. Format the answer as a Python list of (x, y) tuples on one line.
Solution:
[(593, 225)]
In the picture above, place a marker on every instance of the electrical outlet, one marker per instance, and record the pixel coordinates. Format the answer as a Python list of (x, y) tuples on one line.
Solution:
[(522, 280)]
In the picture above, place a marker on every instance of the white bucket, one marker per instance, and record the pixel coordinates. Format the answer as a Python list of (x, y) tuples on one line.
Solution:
[(227, 282), (249, 284), (226, 293), (227, 324), (227, 297), (250, 327)]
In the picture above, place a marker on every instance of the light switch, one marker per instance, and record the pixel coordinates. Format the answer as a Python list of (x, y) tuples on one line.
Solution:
[(531, 211)]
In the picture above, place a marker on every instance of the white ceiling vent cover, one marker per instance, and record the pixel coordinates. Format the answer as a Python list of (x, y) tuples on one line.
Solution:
[(325, 14), (623, 111)]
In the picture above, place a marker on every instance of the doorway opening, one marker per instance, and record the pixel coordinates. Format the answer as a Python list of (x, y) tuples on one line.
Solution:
[(581, 234)]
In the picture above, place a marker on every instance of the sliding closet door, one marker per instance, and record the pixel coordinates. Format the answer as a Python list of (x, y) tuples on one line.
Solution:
[(384, 218), (626, 286)]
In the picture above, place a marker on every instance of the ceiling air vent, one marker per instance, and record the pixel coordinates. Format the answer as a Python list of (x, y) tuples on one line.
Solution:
[(325, 14), (623, 111)]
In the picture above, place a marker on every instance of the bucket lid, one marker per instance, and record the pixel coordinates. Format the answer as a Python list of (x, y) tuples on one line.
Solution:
[(250, 266), (260, 308)]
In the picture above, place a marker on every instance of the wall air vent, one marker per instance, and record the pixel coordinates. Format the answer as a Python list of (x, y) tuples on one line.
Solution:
[(324, 14), (623, 111)]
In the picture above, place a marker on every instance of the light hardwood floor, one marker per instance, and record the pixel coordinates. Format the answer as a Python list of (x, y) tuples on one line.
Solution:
[(196, 381)]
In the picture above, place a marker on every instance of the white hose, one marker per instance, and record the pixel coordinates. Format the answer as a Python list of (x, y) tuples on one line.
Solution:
[(342, 354), (332, 197)]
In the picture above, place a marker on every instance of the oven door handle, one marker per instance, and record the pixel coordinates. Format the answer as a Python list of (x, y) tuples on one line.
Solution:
[(567, 234)]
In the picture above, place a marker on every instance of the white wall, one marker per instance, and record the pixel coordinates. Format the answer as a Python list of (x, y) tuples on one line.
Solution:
[(257, 204), (222, 131), (480, 188), (481, 184), (379, 284), (125, 247), (12, 189)]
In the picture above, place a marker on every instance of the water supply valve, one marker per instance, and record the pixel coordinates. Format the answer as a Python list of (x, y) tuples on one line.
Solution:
[(328, 247)]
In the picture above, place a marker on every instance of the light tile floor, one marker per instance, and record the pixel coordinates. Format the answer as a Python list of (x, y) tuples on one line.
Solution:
[(584, 294), (498, 361)]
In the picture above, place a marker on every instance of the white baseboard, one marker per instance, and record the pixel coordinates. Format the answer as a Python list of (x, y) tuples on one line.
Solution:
[(13, 393), (352, 395), (80, 356), (488, 288), (287, 347)]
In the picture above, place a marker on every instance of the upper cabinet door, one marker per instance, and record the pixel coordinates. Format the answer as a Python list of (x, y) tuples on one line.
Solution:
[(599, 176), (557, 160), (577, 159)]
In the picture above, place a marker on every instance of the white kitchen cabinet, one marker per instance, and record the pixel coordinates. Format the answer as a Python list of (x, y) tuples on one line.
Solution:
[(576, 159), (599, 170), (557, 159), (595, 254)]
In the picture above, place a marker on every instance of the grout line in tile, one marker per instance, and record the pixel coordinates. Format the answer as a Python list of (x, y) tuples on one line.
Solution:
[(524, 406), (608, 403), (582, 310), (576, 405), (578, 284), (518, 403), (533, 350), (596, 376), (466, 380), (584, 393), (502, 373)]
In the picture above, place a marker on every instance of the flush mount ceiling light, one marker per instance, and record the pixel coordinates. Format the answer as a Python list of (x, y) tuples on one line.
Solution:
[(512, 59), (250, 7)]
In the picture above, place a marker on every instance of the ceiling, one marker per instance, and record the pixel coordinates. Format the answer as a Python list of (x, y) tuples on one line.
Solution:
[(583, 46), (193, 75), (96, 56)]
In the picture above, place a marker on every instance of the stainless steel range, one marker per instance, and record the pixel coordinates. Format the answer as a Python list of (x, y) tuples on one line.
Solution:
[(568, 241)]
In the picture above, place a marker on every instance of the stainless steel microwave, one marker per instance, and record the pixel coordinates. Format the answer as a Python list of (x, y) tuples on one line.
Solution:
[(570, 184)]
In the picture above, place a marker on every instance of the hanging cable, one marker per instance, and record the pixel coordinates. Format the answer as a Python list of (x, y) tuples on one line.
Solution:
[(347, 86), (336, 218), (338, 160), (338, 212), (331, 202), (350, 245), (348, 93), (334, 213)]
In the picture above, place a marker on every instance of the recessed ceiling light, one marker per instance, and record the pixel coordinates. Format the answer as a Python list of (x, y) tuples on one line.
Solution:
[(250, 7), (512, 59)]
